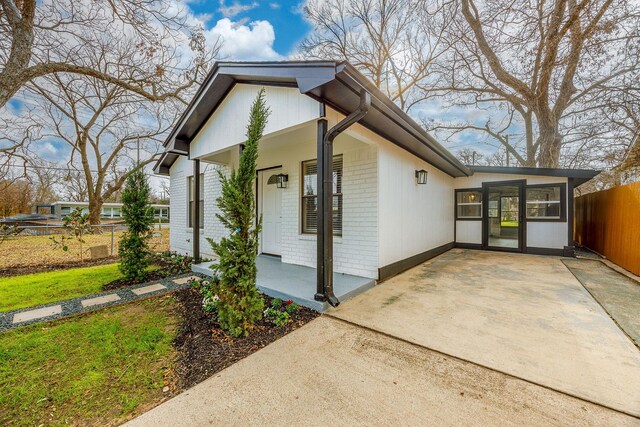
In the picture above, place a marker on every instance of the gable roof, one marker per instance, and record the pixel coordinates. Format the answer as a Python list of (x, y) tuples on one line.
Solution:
[(336, 84)]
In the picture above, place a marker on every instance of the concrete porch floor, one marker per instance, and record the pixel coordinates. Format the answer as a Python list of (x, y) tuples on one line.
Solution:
[(297, 282)]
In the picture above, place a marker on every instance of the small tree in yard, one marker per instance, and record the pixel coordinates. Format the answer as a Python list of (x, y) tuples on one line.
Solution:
[(138, 215), (77, 223), (238, 304)]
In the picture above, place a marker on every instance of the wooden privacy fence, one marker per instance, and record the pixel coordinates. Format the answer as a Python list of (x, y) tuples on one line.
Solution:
[(608, 222)]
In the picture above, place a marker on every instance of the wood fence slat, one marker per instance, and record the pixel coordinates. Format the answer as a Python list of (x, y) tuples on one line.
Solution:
[(608, 222)]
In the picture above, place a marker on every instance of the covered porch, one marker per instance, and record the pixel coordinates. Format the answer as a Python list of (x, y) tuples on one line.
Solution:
[(297, 282)]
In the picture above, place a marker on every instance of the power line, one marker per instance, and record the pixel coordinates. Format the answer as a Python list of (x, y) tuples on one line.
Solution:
[(62, 169)]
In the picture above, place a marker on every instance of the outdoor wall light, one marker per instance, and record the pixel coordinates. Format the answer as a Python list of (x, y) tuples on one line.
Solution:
[(421, 176), (282, 180)]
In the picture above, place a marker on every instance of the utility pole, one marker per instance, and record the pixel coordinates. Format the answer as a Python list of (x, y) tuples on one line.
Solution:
[(473, 158), (138, 151), (507, 150)]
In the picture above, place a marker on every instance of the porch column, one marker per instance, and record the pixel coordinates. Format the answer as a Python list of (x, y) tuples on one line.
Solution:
[(324, 251), (196, 210)]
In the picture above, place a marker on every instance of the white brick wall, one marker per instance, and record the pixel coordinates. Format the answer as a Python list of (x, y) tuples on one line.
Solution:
[(181, 235), (178, 235), (213, 228), (356, 252)]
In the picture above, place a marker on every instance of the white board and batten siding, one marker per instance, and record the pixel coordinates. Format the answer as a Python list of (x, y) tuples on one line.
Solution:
[(227, 126), (550, 235)]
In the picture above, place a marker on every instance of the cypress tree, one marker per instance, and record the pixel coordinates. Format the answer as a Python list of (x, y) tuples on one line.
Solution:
[(138, 215), (239, 304)]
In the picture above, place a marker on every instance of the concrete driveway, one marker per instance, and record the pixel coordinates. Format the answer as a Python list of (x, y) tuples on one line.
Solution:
[(469, 338), (333, 373), (522, 315)]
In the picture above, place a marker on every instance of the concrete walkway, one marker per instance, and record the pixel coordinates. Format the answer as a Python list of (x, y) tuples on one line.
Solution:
[(66, 308), (618, 294), (332, 373), (523, 315)]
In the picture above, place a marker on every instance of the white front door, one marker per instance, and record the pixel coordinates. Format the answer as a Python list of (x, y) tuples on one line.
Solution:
[(270, 206)]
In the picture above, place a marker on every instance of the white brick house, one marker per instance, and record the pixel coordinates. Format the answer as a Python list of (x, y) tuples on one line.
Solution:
[(385, 218)]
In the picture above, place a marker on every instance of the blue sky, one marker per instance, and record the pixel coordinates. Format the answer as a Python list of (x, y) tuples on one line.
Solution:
[(252, 29)]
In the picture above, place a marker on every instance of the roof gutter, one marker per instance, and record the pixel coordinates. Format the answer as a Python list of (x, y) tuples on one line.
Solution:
[(325, 197)]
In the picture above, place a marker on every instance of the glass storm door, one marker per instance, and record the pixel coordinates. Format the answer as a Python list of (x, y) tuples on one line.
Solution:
[(502, 225)]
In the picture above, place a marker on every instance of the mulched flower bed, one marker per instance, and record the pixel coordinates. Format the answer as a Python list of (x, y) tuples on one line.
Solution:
[(168, 264), (204, 348), (123, 283)]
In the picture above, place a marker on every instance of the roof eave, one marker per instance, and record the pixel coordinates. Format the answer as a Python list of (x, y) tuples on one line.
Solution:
[(314, 79)]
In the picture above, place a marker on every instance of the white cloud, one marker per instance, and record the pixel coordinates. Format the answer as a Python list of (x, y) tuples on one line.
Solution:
[(235, 8), (274, 5), (253, 41)]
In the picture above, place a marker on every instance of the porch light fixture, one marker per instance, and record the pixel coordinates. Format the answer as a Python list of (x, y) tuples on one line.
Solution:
[(282, 180), (421, 176)]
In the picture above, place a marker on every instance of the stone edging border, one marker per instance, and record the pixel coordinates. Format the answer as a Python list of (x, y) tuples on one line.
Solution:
[(70, 307)]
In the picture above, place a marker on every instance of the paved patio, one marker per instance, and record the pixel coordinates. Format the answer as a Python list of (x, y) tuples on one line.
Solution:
[(523, 315), (298, 283)]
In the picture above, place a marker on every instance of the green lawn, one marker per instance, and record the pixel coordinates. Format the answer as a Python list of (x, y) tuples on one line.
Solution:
[(41, 288), (95, 369), (509, 224)]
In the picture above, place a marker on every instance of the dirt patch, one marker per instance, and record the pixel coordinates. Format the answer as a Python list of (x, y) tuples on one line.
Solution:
[(35, 253), (204, 348)]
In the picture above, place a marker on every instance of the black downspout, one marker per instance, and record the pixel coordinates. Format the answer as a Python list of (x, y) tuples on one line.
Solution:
[(570, 249), (322, 132), (325, 197), (196, 210)]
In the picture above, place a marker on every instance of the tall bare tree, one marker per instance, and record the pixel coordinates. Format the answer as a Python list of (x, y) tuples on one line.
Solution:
[(393, 42), (541, 61), (108, 128), (41, 37), (103, 124), (16, 197), (16, 133)]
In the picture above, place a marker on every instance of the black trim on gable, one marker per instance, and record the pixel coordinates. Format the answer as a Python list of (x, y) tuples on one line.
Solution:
[(336, 84)]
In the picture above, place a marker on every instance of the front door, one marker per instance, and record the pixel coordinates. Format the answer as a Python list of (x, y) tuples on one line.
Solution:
[(503, 226), (270, 207)]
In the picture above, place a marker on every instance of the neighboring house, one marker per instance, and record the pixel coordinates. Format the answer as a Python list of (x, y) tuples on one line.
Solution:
[(397, 199), (61, 209)]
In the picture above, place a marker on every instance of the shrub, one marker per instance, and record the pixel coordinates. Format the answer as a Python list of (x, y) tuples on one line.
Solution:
[(138, 215), (7, 231), (280, 312), (240, 306)]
